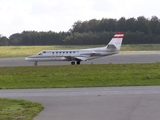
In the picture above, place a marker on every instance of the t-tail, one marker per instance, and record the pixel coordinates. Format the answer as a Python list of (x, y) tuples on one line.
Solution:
[(116, 41)]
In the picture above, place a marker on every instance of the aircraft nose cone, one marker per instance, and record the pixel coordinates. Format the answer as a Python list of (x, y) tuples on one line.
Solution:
[(26, 58)]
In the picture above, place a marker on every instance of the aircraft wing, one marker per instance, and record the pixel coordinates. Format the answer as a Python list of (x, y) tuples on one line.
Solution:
[(93, 53), (83, 56), (70, 58)]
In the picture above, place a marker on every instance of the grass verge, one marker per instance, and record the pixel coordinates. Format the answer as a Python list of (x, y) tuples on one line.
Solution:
[(23, 51), (69, 76), (92, 75), (18, 109)]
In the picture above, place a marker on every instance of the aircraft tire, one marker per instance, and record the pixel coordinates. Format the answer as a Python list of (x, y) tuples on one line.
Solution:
[(78, 62), (72, 63), (35, 63)]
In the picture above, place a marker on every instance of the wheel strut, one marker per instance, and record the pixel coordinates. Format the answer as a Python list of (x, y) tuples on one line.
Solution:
[(35, 63)]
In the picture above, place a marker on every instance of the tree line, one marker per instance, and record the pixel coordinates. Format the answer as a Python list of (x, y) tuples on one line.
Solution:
[(138, 30)]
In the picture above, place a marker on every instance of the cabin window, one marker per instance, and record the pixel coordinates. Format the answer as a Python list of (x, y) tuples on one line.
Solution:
[(73, 51), (52, 52), (60, 52), (66, 52), (63, 52), (56, 52), (70, 52)]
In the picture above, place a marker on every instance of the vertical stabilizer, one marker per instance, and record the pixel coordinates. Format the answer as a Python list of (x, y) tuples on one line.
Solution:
[(116, 41)]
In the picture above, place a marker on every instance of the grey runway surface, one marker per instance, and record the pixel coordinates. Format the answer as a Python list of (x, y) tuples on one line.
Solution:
[(136, 57), (108, 103)]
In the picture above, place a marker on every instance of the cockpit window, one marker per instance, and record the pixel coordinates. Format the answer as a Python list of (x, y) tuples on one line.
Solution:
[(40, 54)]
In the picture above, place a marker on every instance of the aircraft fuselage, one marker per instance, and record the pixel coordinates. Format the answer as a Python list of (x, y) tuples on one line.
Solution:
[(113, 47)]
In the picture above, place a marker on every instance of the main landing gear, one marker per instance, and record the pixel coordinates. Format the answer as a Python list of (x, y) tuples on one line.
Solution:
[(73, 63), (35, 63)]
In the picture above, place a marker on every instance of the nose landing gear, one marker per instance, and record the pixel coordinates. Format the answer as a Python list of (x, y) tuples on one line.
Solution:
[(35, 63)]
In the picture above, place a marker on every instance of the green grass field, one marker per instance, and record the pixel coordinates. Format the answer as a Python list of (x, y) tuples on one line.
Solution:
[(65, 76), (80, 76), (23, 51), (18, 109)]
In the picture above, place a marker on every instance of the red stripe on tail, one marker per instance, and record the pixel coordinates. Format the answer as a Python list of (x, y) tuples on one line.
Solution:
[(119, 35)]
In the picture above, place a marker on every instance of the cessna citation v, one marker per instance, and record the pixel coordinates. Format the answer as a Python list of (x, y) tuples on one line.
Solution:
[(76, 56)]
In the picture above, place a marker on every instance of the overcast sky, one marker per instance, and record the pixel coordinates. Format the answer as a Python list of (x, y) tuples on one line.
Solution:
[(17, 16)]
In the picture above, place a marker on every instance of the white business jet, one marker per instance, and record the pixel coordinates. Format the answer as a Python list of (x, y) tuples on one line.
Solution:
[(76, 56)]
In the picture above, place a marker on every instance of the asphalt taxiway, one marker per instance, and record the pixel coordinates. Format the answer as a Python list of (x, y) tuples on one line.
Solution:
[(106, 103), (127, 57)]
